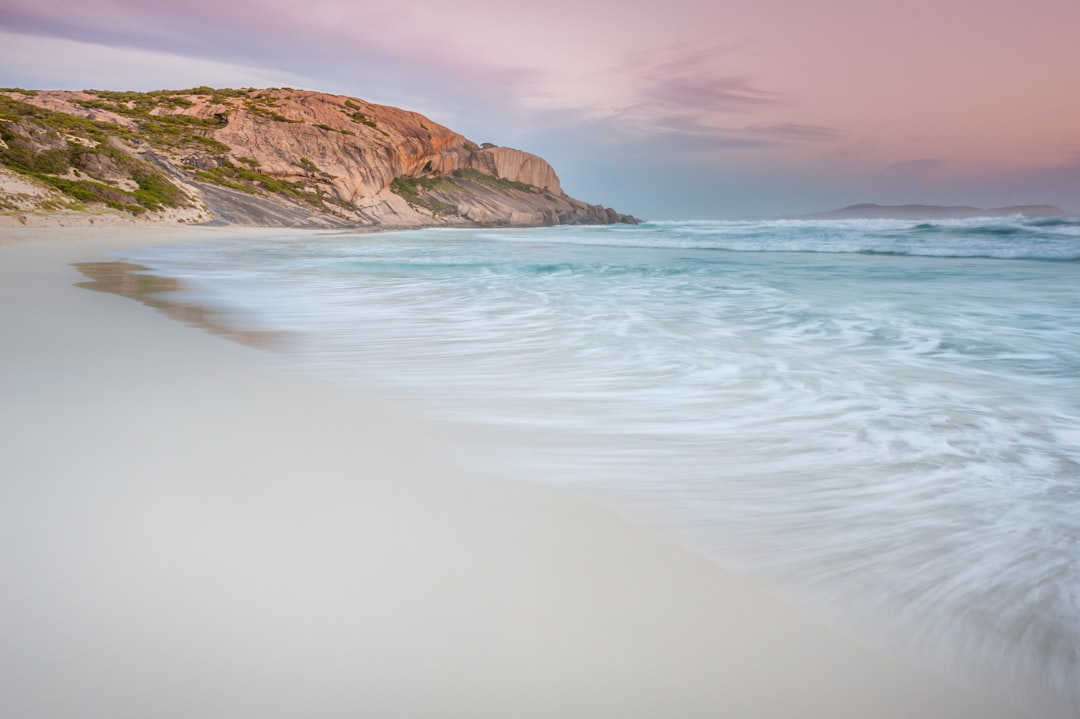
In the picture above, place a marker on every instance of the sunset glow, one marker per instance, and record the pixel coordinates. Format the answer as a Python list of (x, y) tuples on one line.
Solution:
[(685, 108)]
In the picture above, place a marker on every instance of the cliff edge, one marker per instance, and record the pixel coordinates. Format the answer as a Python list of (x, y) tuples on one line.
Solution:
[(271, 157)]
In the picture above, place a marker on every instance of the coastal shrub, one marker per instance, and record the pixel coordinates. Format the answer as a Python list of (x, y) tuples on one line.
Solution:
[(412, 189), (52, 162), (98, 130), (91, 191), (164, 131), (23, 155), (246, 179), (496, 183), (327, 128), (263, 106), (219, 96), (215, 178), (50, 146), (17, 157), (270, 115), (364, 120), (177, 102), (156, 192)]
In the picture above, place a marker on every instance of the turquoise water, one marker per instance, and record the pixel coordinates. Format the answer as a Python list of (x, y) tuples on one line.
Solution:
[(882, 415)]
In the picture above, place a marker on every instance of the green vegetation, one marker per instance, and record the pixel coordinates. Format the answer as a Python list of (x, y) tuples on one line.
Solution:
[(179, 131), (71, 154), (144, 102), (413, 190), (364, 120), (249, 180), (160, 106), (215, 95), (496, 183), (163, 130), (17, 112), (156, 192), (254, 183), (334, 129), (113, 163), (308, 166), (263, 106), (359, 117)]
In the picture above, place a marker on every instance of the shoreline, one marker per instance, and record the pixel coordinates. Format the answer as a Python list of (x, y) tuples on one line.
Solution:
[(194, 532)]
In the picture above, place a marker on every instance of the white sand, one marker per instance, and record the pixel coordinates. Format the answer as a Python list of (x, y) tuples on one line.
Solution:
[(188, 532)]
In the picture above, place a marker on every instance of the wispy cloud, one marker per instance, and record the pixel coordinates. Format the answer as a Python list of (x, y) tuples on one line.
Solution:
[(920, 166), (707, 94), (708, 86), (689, 98), (795, 131)]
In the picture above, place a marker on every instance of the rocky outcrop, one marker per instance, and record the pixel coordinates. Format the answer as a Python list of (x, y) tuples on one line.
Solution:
[(516, 166), (278, 156)]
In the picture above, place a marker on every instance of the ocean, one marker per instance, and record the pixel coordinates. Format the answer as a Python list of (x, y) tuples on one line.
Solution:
[(878, 418)]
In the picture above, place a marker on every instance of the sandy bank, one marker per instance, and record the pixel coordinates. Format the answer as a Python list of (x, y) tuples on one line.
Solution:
[(190, 532)]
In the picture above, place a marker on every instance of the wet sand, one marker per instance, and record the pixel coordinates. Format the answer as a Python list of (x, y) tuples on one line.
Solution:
[(191, 531)]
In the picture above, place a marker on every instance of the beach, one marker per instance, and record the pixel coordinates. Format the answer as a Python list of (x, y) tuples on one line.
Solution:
[(191, 530)]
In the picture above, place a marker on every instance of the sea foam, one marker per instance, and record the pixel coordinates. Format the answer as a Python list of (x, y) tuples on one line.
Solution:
[(882, 415)]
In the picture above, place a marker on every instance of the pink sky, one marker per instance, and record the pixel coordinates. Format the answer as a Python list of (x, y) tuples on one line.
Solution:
[(665, 109)]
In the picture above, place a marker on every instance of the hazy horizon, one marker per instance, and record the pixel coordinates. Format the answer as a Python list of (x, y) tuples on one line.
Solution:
[(688, 110)]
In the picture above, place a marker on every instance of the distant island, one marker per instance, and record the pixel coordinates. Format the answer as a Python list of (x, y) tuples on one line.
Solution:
[(871, 211), (272, 157)]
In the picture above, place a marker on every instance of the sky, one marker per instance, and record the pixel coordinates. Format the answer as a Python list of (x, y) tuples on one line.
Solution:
[(681, 109)]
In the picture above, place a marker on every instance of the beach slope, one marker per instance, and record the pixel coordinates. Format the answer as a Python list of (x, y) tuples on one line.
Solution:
[(189, 531)]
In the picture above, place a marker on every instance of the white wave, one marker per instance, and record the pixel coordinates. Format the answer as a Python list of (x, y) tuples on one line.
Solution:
[(901, 429)]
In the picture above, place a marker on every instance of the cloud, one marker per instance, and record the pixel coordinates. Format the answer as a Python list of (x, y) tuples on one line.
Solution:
[(378, 52), (123, 68), (692, 85), (707, 94), (460, 67), (685, 99), (795, 131), (921, 166)]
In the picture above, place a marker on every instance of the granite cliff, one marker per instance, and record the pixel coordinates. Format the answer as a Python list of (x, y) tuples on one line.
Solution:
[(277, 157)]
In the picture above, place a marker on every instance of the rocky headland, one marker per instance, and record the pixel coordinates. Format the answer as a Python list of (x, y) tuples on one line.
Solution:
[(273, 157)]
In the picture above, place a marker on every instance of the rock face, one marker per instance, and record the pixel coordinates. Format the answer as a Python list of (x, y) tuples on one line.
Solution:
[(516, 166), (279, 157)]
